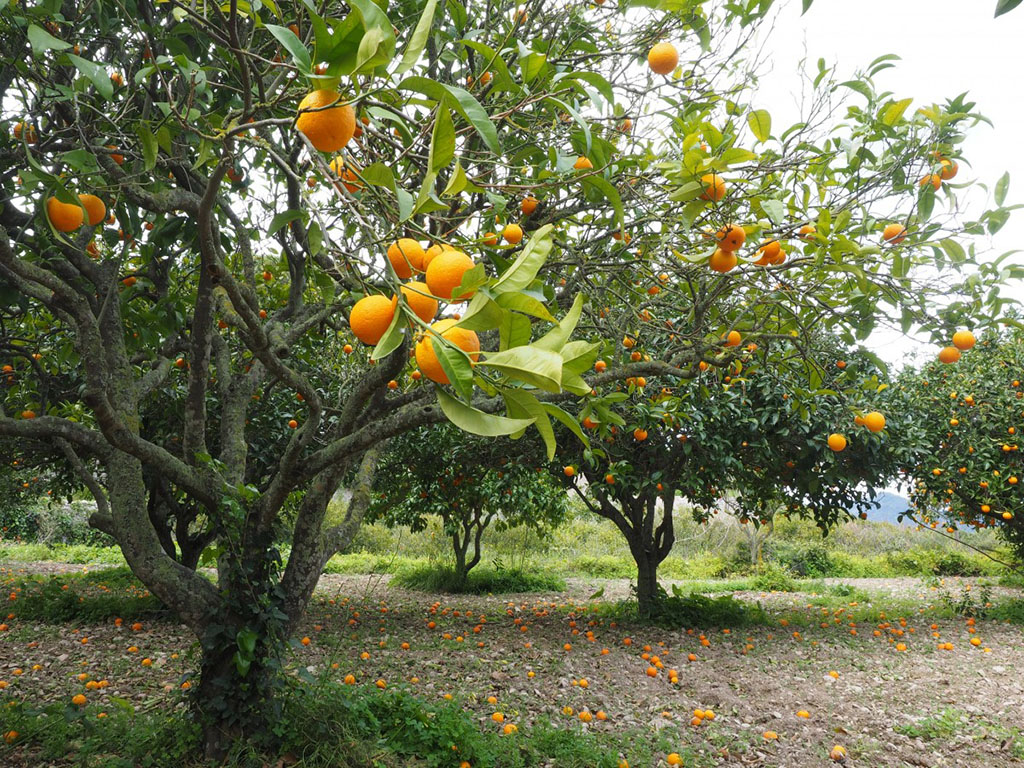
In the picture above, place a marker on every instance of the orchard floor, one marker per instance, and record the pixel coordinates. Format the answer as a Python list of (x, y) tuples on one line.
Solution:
[(922, 706)]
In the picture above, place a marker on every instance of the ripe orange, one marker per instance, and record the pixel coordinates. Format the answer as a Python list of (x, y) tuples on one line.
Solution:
[(837, 753), (674, 759), (963, 340), (874, 421), (769, 252), (569, 471), (932, 178), (731, 237), (116, 156), (529, 205), (94, 208), (370, 318), (349, 178), (490, 238), (836, 442), (714, 187), (434, 251), (733, 339), (663, 58), (445, 273), (65, 217), (293, 424), (426, 357), (329, 128), (28, 414), (949, 170), (894, 233), (609, 479), (722, 261), (405, 256), (639, 434), (417, 296), (949, 355), (28, 129), (583, 164), (78, 700), (512, 233)]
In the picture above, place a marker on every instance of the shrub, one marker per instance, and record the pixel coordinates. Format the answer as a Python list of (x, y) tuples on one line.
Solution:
[(704, 565), (806, 560), (603, 567), (954, 564), (480, 581), (774, 578)]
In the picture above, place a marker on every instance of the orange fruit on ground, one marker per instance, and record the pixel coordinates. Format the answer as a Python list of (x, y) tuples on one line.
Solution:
[(370, 318), (837, 753), (894, 233), (529, 205), (963, 340), (406, 255), (714, 187), (733, 339), (426, 357), (674, 759), (663, 58), (874, 421), (932, 178), (949, 170), (329, 128), (417, 296), (731, 237), (583, 164), (78, 700), (65, 217), (513, 233), (722, 261), (949, 355), (445, 273), (836, 442), (94, 209)]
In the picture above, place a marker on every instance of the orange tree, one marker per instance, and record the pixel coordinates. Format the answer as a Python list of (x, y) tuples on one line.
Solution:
[(968, 416), (212, 215), (480, 483)]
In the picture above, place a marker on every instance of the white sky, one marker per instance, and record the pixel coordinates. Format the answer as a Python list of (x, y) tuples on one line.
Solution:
[(947, 47)]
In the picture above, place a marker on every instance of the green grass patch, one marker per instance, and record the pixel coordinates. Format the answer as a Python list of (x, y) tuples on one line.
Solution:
[(84, 597), (480, 581), (80, 554)]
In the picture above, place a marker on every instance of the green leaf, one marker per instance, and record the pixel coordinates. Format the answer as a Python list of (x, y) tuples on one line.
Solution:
[(379, 175), (538, 367), (579, 356), (462, 101), (477, 422), (405, 203), (806, 6), (246, 641), (482, 314), (1002, 186), (418, 40), (514, 330), (502, 78), (294, 46), (556, 338), (442, 140), (97, 74), (893, 113), (377, 46), (149, 146), (593, 78), (1005, 6), (456, 366), (392, 338), (954, 250), (568, 421), (282, 218), (611, 193), (737, 155), (42, 41), (521, 403), (524, 269), (522, 302), (457, 183), (760, 122), (774, 210)]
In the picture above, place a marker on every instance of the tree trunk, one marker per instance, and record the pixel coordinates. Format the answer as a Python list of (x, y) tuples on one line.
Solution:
[(461, 545), (646, 584)]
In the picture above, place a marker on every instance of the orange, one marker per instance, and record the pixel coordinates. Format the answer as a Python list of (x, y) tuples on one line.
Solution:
[(65, 217), (949, 355), (94, 207), (894, 233), (583, 164), (874, 421), (836, 442), (963, 340), (529, 205), (949, 170), (330, 127), (28, 129), (115, 155), (28, 414), (674, 759), (78, 700), (837, 753), (405, 256), (370, 318), (445, 273), (417, 296), (731, 237), (769, 252), (426, 358), (733, 339), (569, 471), (932, 178), (714, 187), (639, 434), (349, 177), (807, 231), (490, 238), (722, 261), (663, 58), (513, 233), (435, 250)]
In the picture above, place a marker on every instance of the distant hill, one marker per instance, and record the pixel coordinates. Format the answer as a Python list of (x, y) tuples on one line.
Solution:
[(892, 505)]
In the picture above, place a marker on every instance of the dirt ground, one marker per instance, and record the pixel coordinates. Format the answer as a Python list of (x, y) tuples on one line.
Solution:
[(837, 660)]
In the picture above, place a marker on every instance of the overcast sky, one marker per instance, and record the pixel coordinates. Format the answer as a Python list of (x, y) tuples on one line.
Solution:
[(947, 47)]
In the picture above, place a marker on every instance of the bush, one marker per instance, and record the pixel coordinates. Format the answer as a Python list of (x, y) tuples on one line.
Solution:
[(603, 567), (954, 564), (687, 610), (804, 560), (704, 565), (774, 578), (480, 581)]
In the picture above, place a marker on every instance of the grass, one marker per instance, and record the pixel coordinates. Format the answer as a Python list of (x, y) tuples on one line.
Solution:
[(480, 580), (95, 596), (79, 554)]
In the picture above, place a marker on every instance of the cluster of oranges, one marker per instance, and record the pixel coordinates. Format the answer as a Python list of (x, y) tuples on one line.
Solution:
[(962, 342), (874, 421)]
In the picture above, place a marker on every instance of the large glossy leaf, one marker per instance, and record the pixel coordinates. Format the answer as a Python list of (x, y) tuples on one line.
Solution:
[(442, 140), (538, 367), (96, 74), (377, 47), (556, 338), (524, 269), (522, 404), (1005, 6), (418, 39), (482, 314), (294, 46), (42, 41), (760, 122), (478, 422), (461, 101), (522, 302), (569, 421), (456, 366)]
